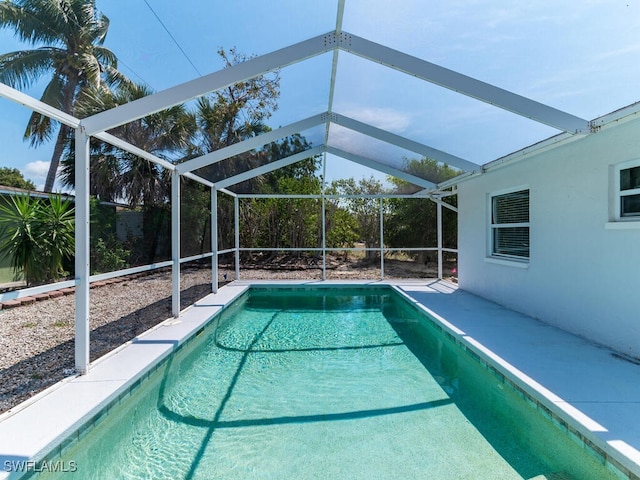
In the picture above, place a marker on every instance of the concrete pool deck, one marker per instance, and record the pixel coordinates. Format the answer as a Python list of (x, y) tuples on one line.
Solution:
[(585, 385)]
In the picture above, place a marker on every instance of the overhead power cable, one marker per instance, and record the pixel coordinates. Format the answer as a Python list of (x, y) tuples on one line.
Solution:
[(135, 73), (173, 38)]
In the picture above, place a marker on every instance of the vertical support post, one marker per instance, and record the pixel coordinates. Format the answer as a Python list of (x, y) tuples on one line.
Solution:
[(324, 238), (82, 251), (236, 213), (381, 241), (214, 240), (439, 218), (324, 214), (175, 243)]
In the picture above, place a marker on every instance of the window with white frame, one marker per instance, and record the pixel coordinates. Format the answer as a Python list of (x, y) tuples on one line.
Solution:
[(628, 191), (510, 225)]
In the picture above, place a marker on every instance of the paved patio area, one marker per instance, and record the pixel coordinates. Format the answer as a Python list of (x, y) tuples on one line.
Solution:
[(593, 385), (595, 390)]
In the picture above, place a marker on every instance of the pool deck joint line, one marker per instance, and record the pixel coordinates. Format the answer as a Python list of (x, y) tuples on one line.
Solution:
[(586, 386)]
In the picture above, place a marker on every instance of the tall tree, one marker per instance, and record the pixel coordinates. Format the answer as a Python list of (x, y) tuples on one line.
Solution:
[(117, 175), (232, 115), (413, 222), (229, 116), (69, 35), (365, 211), (12, 177)]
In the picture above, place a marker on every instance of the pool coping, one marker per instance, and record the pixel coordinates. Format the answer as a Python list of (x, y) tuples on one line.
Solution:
[(622, 457), (30, 431), (34, 430)]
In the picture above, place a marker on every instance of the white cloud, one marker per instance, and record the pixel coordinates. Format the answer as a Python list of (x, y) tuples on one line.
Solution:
[(385, 118), (365, 146), (36, 172)]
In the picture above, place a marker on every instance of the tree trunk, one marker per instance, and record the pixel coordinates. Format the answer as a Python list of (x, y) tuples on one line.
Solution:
[(55, 158), (67, 106)]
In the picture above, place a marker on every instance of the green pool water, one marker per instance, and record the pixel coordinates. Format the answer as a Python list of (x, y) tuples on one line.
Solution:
[(326, 384)]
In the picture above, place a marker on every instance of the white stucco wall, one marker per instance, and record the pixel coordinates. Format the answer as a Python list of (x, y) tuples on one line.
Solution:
[(581, 277)]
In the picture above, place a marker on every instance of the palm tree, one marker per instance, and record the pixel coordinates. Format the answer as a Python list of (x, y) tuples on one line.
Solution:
[(70, 34), (117, 175)]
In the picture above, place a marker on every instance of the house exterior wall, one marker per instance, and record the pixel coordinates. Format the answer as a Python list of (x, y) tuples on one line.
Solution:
[(582, 276)]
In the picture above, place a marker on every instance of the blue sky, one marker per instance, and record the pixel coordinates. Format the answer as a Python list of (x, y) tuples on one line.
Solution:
[(579, 56)]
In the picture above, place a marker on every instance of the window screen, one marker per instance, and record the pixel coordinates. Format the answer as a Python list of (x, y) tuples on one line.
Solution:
[(510, 224), (630, 192)]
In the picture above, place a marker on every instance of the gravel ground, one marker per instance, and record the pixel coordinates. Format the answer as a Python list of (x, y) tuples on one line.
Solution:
[(37, 340)]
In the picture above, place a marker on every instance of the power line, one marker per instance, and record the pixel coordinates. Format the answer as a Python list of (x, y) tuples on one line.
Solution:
[(134, 72), (173, 38)]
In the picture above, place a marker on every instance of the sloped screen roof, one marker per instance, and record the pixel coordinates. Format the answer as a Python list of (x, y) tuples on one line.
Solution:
[(537, 53)]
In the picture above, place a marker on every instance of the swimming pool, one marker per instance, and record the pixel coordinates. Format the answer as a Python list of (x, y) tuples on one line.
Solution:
[(326, 383)]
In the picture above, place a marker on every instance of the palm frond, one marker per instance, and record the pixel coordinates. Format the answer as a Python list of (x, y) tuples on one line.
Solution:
[(41, 127), (22, 68), (105, 56), (91, 69), (32, 21), (101, 27), (115, 78)]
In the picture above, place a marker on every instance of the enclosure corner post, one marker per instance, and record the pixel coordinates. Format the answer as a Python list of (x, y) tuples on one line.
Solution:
[(175, 243), (82, 252), (214, 240), (381, 240), (324, 238), (439, 219), (236, 213)]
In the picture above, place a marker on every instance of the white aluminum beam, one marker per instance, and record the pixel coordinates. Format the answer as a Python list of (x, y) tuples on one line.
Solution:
[(333, 197), (127, 147), (324, 201), (214, 81), (463, 84), (334, 68), (228, 192), (270, 167), (251, 143), (214, 240), (439, 222), (175, 244), (236, 233), (402, 142), (368, 162), (62, 117), (198, 179), (38, 106), (381, 240), (442, 203), (82, 327)]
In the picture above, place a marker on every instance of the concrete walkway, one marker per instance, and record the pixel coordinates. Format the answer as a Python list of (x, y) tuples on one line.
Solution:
[(590, 383)]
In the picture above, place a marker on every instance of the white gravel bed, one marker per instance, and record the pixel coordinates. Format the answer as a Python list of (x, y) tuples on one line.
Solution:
[(37, 340)]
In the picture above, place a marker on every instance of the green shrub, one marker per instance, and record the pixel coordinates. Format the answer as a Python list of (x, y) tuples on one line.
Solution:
[(108, 256), (39, 236)]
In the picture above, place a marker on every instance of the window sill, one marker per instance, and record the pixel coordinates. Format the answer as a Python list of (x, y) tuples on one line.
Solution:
[(623, 225), (507, 262)]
